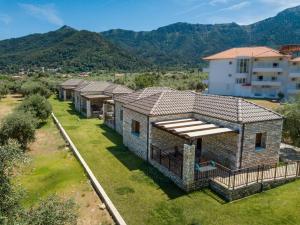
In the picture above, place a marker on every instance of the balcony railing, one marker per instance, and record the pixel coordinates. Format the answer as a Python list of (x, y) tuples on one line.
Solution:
[(171, 160), (233, 179)]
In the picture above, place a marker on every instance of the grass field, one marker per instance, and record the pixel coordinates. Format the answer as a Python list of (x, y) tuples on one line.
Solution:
[(54, 170), (144, 196)]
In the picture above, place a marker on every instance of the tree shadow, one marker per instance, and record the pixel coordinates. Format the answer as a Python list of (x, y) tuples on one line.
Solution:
[(72, 111), (133, 162)]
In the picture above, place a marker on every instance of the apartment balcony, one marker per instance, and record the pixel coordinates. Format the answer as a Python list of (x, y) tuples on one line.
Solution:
[(293, 91), (205, 70), (294, 74), (267, 70), (266, 83)]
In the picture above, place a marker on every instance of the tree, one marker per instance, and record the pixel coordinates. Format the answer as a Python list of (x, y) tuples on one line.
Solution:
[(3, 90), (146, 80), (10, 155), (34, 87), (291, 125), (19, 126), (53, 211), (38, 106)]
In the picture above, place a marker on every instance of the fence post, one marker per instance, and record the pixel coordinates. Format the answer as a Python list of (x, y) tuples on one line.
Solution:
[(257, 178), (262, 173), (229, 179), (247, 177), (298, 169), (233, 185), (286, 165), (275, 173)]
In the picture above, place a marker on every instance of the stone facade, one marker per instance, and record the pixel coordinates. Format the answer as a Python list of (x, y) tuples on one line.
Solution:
[(270, 154), (222, 148), (135, 143), (118, 121)]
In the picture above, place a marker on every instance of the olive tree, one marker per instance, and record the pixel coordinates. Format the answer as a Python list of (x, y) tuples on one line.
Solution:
[(19, 126), (291, 125), (35, 87), (3, 90), (36, 105)]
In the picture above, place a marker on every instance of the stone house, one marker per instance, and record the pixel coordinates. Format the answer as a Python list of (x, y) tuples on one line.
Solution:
[(66, 89), (176, 130), (89, 97)]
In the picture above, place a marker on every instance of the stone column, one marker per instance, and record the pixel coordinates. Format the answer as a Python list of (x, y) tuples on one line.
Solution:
[(88, 109), (105, 106), (188, 167), (65, 95)]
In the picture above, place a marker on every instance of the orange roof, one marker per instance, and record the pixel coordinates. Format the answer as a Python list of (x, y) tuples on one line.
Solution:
[(295, 59), (257, 52)]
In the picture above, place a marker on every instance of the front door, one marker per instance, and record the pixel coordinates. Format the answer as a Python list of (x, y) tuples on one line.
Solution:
[(198, 149)]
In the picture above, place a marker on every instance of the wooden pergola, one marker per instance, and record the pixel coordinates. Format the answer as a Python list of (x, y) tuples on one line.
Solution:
[(191, 128)]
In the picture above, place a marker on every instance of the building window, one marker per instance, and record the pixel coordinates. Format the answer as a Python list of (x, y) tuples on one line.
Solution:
[(260, 78), (121, 115), (274, 78), (230, 62), (240, 80), (298, 86), (260, 140), (243, 66), (135, 127), (275, 65)]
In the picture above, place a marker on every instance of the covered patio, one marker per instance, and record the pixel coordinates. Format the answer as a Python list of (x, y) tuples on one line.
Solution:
[(181, 145), (93, 104)]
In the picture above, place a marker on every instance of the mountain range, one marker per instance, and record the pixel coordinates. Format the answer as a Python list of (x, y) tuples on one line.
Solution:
[(176, 45)]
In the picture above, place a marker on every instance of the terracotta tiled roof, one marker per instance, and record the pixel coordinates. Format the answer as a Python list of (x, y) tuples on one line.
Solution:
[(72, 82), (127, 98), (295, 59), (220, 107), (117, 89), (94, 86), (257, 52)]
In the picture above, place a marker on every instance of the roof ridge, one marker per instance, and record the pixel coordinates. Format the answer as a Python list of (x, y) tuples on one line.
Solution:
[(157, 102), (239, 110), (262, 107)]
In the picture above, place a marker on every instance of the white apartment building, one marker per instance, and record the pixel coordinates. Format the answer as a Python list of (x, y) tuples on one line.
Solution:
[(257, 72)]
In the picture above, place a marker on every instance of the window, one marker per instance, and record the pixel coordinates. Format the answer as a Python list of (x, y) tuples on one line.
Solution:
[(260, 78), (230, 62), (135, 127), (275, 65), (240, 80), (121, 114), (298, 86), (274, 78), (243, 66), (260, 140)]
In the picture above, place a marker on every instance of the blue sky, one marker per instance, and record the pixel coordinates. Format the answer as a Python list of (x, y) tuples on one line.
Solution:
[(19, 18)]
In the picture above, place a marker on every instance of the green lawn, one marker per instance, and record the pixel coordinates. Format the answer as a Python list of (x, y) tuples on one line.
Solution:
[(143, 196)]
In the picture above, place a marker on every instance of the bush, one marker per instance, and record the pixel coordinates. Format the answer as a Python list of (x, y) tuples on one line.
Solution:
[(36, 105), (3, 90), (34, 87), (146, 80), (291, 113), (19, 126), (53, 211)]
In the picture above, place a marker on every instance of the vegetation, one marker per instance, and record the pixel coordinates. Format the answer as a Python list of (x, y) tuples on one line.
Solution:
[(291, 125), (19, 126), (3, 90), (38, 106), (35, 87), (130, 181)]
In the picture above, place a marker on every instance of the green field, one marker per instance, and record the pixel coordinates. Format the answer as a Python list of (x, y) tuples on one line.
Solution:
[(144, 196), (52, 169)]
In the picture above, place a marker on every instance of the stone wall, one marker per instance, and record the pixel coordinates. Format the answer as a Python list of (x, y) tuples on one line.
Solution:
[(135, 143), (270, 154), (222, 148), (119, 122)]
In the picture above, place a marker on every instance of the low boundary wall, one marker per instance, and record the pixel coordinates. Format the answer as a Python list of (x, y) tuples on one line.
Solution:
[(98, 188)]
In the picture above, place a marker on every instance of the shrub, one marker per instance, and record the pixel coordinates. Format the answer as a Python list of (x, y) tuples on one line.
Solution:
[(3, 90), (34, 87), (53, 211), (146, 80), (19, 126), (38, 106)]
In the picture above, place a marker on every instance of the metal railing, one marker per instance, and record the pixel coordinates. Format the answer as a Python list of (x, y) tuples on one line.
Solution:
[(171, 160), (233, 179)]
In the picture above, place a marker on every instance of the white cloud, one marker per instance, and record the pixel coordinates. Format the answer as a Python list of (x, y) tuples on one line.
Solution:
[(6, 19), (216, 2), (237, 6), (44, 12)]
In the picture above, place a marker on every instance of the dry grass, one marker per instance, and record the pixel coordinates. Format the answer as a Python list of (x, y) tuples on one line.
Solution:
[(273, 105)]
